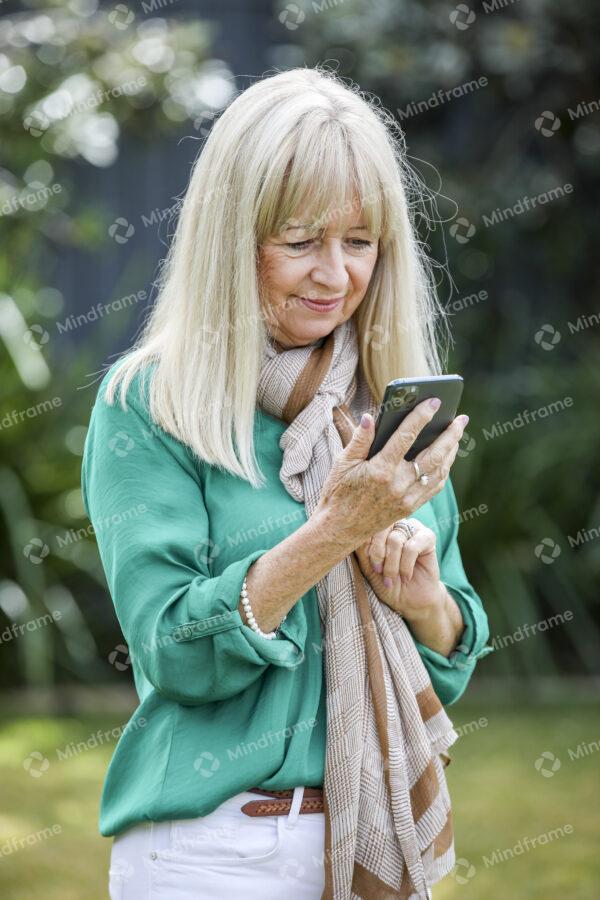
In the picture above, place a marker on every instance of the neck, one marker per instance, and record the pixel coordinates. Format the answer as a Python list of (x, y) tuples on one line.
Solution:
[(280, 348)]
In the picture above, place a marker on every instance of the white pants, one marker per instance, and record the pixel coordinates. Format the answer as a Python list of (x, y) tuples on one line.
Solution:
[(224, 854)]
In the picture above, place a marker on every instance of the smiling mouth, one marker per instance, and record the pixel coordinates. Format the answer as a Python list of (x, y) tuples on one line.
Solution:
[(318, 301), (322, 300)]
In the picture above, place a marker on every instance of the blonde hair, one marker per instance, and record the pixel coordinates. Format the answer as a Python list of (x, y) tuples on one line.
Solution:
[(300, 138)]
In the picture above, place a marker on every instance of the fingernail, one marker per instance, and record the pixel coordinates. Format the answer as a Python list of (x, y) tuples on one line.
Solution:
[(464, 420), (387, 581), (378, 567), (435, 402)]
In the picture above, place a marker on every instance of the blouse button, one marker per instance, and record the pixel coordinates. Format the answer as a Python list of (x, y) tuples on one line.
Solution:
[(153, 855)]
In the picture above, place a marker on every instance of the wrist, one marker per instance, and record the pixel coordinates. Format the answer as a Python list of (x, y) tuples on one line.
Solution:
[(335, 531), (441, 625), (434, 610)]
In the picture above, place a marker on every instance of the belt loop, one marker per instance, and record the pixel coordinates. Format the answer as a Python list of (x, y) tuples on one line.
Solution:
[(294, 812)]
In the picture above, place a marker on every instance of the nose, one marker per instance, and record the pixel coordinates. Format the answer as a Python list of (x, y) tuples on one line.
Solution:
[(330, 270)]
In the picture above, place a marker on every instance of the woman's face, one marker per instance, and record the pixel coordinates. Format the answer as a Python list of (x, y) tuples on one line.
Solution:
[(334, 265)]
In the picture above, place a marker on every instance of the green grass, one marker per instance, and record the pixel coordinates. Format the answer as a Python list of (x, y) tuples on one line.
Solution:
[(498, 798)]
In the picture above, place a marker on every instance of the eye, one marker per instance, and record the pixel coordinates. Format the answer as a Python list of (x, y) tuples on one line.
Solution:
[(360, 244), (355, 243), (299, 245)]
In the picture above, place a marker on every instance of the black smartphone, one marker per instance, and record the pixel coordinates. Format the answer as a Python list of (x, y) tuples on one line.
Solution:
[(402, 395)]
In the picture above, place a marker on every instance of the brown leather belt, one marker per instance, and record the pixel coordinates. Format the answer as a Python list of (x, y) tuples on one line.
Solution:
[(312, 802)]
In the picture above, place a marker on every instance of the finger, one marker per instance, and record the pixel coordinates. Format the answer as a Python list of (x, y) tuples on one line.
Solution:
[(391, 566), (438, 470), (437, 455), (377, 549), (422, 542), (406, 433)]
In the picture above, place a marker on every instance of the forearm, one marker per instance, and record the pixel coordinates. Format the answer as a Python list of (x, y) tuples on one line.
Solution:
[(441, 627), (277, 580)]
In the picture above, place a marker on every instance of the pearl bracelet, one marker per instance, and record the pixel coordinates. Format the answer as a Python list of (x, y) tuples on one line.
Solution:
[(250, 616)]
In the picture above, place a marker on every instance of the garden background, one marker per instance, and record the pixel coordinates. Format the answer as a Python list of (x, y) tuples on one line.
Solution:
[(103, 109)]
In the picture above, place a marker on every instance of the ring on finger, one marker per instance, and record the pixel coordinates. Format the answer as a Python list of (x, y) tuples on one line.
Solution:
[(405, 526), (421, 476)]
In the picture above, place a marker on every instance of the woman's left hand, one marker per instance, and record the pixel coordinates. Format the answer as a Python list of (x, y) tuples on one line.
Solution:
[(415, 590)]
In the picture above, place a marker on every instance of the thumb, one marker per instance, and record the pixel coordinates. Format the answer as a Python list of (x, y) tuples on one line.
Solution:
[(362, 438)]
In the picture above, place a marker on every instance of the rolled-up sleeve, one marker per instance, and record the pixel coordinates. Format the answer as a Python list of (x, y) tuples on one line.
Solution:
[(179, 619), (451, 674)]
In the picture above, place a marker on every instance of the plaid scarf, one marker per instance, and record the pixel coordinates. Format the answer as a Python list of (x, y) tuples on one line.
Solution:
[(388, 821)]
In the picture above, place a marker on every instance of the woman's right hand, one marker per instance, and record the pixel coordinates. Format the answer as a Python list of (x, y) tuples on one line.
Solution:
[(363, 496)]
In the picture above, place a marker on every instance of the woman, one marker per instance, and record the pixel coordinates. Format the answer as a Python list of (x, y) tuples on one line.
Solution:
[(296, 615)]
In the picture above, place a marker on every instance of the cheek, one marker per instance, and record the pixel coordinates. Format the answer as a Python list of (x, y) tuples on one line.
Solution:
[(281, 275), (362, 273)]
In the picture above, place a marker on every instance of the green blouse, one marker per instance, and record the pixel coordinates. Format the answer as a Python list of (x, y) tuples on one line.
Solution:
[(221, 708)]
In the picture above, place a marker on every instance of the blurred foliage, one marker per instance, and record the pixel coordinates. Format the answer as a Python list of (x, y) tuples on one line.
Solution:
[(478, 151), (75, 81)]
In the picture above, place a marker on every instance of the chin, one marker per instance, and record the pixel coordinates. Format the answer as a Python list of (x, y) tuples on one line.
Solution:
[(311, 330)]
